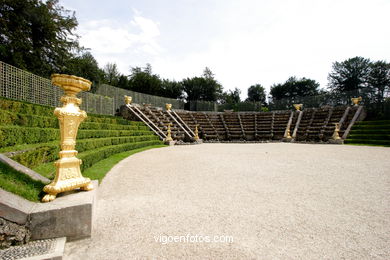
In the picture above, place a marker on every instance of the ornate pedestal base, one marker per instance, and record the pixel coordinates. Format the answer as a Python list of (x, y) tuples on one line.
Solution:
[(68, 177)]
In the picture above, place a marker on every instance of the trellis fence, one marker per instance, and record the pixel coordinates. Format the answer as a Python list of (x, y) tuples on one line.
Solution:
[(22, 85)]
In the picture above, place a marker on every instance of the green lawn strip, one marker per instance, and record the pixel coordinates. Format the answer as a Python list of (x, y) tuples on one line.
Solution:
[(99, 170), (91, 157), (19, 183), (363, 144), (37, 154)]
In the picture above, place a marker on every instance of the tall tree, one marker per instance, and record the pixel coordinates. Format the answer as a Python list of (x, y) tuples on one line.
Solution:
[(37, 35), (85, 66), (256, 93), (205, 88), (231, 97), (379, 80), (142, 80), (294, 87), (111, 74), (351, 74)]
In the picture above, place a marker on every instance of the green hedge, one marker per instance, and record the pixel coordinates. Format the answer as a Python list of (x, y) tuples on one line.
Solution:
[(92, 156), (48, 152), (9, 118), (24, 108), (84, 134), (14, 135)]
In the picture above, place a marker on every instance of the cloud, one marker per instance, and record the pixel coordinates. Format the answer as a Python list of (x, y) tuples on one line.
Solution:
[(113, 41)]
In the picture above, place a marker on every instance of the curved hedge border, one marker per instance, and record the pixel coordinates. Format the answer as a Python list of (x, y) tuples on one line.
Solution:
[(93, 156), (48, 152)]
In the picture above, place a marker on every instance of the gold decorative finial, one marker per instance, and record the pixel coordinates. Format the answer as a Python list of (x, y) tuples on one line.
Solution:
[(169, 136), (196, 137), (336, 135), (288, 135), (168, 107), (298, 107), (128, 100), (68, 175), (356, 100)]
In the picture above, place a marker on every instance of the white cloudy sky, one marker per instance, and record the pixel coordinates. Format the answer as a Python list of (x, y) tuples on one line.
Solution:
[(243, 42)]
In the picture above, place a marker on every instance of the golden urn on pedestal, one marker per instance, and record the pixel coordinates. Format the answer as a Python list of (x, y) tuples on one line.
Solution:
[(68, 175), (128, 100), (298, 107), (169, 136), (356, 100), (196, 137), (336, 135), (168, 107)]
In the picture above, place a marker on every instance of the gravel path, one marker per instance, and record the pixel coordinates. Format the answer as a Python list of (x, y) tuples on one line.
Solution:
[(277, 201)]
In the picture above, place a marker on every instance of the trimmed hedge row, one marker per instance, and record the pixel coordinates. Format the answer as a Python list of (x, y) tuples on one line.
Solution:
[(98, 126), (14, 135), (24, 108), (48, 152), (84, 134), (8, 118), (93, 156)]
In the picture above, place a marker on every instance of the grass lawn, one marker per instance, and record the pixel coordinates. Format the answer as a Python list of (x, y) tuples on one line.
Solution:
[(22, 185)]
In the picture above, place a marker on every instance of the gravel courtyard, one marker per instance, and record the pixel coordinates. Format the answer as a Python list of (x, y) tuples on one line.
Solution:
[(277, 201)]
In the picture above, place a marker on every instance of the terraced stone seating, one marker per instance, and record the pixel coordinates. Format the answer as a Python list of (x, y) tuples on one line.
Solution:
[(29, 134), (162, 119), (309, 125), (233, 124), (279, 124)]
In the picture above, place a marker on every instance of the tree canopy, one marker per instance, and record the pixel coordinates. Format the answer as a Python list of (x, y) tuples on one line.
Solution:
[(256, 93), (351, 74), (294, 87), (37, 36)]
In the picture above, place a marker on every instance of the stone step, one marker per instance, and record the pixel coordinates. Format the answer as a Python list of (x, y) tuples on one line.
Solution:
[(48, 249)]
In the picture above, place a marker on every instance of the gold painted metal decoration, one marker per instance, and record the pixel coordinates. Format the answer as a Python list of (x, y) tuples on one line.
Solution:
[(169, 136), (68, 175), (336, 135), (288, 134), (128, 100), (298, 107), (168, 107), (196, 137), (356, 100)]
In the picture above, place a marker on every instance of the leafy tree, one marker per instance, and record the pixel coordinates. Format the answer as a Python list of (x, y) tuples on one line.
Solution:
[(111, 74), (123, 82), (37, 35), (256, 93), (172, 89), (85, 66), (379, 79), (231, 97), (142, 80), (351, 74), (294, 87), (205, 88)]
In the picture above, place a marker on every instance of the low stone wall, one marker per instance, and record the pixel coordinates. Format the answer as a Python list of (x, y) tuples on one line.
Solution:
[(12, 234)]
